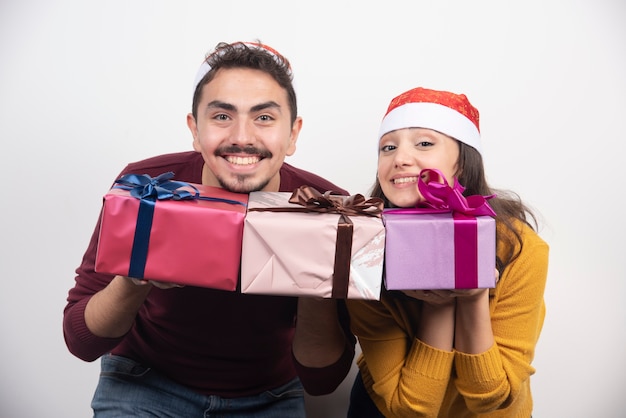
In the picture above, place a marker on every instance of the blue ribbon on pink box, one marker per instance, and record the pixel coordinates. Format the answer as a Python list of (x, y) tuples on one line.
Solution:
[(148, 190), (440, 197)]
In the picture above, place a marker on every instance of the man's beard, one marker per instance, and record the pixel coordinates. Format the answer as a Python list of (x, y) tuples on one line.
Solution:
[(242, 184)]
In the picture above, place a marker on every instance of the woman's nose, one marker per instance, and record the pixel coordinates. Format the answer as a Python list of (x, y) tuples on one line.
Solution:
[(403, 158)]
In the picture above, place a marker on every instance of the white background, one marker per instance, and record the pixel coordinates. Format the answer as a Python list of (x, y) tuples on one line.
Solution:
[(86, 87)]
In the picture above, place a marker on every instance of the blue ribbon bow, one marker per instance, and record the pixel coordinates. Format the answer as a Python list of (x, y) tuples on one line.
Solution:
[(148, 190)]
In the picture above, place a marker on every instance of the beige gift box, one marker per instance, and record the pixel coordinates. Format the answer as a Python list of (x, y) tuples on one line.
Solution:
[(327, 246)]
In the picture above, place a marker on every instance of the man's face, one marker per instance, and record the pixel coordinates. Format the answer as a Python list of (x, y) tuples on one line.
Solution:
[(243, 130)]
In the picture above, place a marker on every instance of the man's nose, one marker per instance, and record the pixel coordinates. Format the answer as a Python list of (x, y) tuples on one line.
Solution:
[(243, 133)]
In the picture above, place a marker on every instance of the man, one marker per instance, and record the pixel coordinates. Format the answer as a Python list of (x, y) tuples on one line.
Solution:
[(188, 351)]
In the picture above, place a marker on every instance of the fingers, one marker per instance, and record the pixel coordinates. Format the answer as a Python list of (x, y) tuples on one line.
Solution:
[(467, 293), (432, 297), (160, 285), (417, 294), (138, 282), (164, 285), (439, 294)]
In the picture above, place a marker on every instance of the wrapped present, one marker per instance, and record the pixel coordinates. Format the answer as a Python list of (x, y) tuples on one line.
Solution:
[(171, 231), (449, 243), (310, 244)]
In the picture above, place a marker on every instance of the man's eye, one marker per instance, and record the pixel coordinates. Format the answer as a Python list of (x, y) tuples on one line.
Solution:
[(221, 116), (265, 118)]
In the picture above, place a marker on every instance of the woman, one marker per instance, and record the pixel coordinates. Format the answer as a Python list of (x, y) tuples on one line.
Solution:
[(449, 353)]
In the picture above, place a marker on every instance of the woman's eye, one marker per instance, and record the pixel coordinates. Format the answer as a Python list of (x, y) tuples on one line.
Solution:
[(386, 148), (424, 144)]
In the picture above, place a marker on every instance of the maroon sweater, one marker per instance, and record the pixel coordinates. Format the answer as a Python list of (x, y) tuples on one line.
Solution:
[(214, 342)]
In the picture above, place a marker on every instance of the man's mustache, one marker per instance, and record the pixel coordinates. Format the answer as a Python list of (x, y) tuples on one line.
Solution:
[(235, 149)]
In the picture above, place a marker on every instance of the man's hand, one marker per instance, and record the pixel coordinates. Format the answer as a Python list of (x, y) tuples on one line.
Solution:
[(160, 285)]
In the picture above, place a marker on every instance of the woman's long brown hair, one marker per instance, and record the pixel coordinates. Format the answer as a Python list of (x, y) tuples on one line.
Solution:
[(507, 204)]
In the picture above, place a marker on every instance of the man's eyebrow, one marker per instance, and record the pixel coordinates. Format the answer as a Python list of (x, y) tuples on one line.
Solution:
[(267, 105), (217, 104)]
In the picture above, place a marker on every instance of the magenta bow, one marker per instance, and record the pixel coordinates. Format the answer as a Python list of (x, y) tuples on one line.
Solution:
[(439, 195)]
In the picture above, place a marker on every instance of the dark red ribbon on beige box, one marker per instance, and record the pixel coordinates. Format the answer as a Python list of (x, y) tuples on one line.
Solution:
[(356, 205)]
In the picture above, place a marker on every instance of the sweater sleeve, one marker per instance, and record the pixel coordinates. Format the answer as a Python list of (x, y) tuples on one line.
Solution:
[(499, 378), (324, 380), (407, 377), (79, 340)]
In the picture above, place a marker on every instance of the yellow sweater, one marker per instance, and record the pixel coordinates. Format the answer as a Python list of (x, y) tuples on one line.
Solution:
[(407, 378)]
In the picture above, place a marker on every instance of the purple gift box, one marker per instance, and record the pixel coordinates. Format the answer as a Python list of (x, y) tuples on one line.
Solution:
[(447, 243), (439, 251)]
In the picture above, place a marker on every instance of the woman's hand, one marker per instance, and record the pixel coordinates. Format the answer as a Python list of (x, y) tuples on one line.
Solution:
[(444, 296), (433, 297)]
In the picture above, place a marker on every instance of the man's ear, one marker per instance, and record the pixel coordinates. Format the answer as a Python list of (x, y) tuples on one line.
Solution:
[(293, 137), (193, 128)]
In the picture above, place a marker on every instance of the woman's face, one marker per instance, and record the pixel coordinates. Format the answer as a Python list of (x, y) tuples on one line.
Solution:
[(402, 154)]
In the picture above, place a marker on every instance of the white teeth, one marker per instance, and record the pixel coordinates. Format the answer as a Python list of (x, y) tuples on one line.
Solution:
[(405, 180), (242, 160)]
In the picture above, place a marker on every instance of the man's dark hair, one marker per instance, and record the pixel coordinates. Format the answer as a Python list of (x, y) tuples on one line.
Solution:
[(255, 56)]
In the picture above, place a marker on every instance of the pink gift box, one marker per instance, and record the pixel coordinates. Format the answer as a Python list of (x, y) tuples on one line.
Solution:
[(293, 253), (438, 250), (193, 242)]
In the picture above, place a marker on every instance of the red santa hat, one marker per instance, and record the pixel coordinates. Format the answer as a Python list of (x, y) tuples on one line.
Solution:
[(205, 67), (449, 113)]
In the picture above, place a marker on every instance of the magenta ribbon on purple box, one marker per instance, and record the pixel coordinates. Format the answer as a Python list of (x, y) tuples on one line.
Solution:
[(148, 190), (441, 198)]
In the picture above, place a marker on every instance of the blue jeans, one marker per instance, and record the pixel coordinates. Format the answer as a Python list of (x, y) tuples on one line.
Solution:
[(361, 405), (128, 389)]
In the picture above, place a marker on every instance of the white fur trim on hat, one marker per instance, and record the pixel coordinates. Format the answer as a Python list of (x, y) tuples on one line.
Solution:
[(202, 71), (433, 116)]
